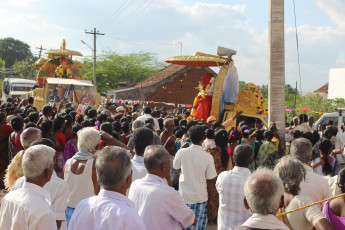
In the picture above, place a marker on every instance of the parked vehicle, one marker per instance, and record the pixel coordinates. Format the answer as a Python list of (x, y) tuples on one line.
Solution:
[(337, 118), (16, 87)]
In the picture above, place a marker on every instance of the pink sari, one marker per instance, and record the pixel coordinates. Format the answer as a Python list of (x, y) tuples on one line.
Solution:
[(337, 222)]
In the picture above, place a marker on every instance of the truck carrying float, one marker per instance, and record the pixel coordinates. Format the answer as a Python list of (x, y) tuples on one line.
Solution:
[(219, 96)]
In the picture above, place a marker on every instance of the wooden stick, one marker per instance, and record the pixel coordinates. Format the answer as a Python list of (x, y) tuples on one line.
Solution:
[(307, 206)]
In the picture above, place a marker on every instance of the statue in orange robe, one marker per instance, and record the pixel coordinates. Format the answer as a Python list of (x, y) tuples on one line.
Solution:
[(202, 103)]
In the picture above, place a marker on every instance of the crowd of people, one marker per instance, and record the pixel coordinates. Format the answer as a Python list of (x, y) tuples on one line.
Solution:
[(126, 167)]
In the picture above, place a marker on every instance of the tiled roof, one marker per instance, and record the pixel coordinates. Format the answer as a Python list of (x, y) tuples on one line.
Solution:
[(323, 89), (160, 76)]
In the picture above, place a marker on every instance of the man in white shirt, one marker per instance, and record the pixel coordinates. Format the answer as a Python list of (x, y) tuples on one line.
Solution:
[(230, 184), (110, 209), (263, 192), (147, 114), (197, 177), (159, 205), (57, 188), (29, 207), (142, 137), (314, 185), (340, 139)]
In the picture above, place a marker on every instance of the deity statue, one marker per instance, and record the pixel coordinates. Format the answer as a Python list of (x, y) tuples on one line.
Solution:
[(62, 71), (202, 102)]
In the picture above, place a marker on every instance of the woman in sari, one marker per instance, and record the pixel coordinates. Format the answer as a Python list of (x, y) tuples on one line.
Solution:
[(268, 152), (221, 158), (14, 144), (5, 131), (334, 210)]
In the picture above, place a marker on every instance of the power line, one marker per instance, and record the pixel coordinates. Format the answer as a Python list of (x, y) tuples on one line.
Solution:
[(109, 18), (40, 52), (119, 14), (137, 13)]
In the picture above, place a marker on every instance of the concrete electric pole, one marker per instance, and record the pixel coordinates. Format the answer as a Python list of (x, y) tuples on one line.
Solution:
[(276, 69), (94, 53)]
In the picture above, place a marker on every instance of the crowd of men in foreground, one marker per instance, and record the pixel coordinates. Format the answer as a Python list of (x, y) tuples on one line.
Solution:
[(123, 168)]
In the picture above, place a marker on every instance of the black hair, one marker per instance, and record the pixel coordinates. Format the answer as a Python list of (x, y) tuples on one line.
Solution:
[(31, 100), (150, 120), (125, 127), (191, 124), (160, 123), (179, 133), (149, 126), (33, 117), (76, 128), (107, 127), (47, 109), (325, 146), (341, 180), (235, 136), (243, 155), (259, 135), (73, 114), (221, 138), (183, 124), (268, 135), (142, 137), (69, 119), (102, 118), (17, 123), (2, 117), (68, 111), (245, 131), (86, 123), (58, 122), (309, 136), (92, 113), (303, 117), (196, 134), (209, 133), (92, 121), (79, 118), (116, 126), (44, 141), (147, 110), (46, 127), (297, 134), (30, 124), (315, 138), (328, 133)]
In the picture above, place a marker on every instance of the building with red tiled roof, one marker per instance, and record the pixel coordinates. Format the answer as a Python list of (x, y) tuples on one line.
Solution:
[(322, 89), (173, 84)]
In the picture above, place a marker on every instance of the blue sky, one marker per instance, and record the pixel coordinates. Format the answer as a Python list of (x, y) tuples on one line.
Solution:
[(158, 25)]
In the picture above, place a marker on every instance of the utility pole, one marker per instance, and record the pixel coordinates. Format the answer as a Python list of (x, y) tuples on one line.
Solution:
[(40, 52), (94, 52)]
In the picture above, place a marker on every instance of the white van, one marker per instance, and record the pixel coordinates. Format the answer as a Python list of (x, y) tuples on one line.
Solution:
[(16, 87), (338, 118)]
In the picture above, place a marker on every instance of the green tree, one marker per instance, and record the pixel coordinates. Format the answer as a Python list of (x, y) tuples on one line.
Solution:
[(24, 68), (12, 50), (113, 67)]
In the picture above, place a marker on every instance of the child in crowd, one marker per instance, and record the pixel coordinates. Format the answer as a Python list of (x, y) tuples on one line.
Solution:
[(209, 142)]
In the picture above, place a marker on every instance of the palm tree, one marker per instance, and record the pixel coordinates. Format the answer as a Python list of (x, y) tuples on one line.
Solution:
[(276, 68)]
